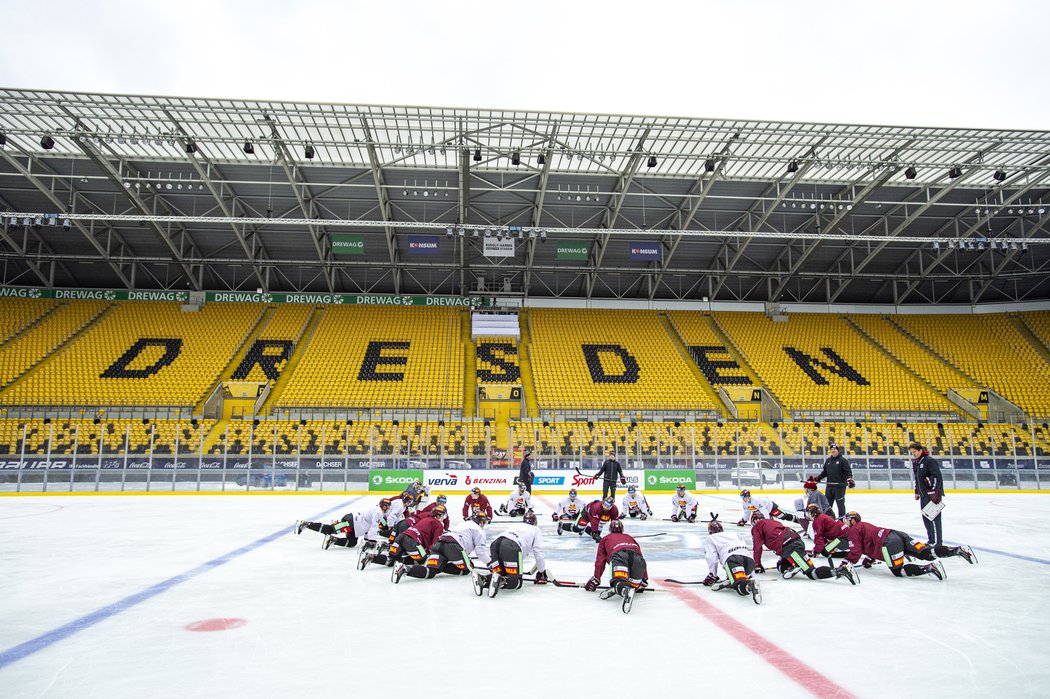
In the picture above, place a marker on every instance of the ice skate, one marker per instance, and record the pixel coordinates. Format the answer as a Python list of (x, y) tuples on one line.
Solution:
[(846, 571), (628, 600), (327, 543), (937, 569), (606, 594), (495, 585), (967, 554), (298, 526), (397, 572), (756, 591)]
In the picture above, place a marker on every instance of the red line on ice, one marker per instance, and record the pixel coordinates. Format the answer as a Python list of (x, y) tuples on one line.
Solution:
[(796, 670)]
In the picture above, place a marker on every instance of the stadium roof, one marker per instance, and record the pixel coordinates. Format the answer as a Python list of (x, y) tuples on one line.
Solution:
[(165, 193)]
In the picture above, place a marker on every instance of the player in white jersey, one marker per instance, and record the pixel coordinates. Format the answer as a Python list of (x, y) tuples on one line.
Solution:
[(519, 502), (568, 512), (346, 530), (509, 551), (635, 504), (451, 552), (730, 553), (683, 506), (757, 503)]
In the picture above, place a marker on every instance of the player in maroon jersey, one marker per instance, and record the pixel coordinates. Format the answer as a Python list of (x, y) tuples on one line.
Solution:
[(623, 554), (896, 547), (440, 500), (595, 516), (830, 536), (787, 544), (414, 544), (474, 503)]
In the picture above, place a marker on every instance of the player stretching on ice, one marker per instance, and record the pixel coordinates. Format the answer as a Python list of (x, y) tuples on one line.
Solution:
[(830, 536), (683, 506), (635, 504), (895, 547), (755, 503), (413, 545), (451, 552), (595, 516), (476, 503), (509, 550), (729, 552), (519, 502), (624, 556), (568, 512), (787, 544)]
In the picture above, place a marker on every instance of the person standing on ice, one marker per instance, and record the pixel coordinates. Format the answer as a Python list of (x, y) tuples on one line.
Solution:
[(929, 488), (840, 476), (610, 472)]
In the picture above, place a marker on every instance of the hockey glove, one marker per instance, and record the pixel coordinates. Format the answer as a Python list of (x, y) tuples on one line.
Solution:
[(710, 580), (623, 481), (674, 518), (868, 563), (934, 496), (742, 523), (850, 483), (592, 584), (541, 578), (759, 568), (692, 518), (554, 517), (622, 515)]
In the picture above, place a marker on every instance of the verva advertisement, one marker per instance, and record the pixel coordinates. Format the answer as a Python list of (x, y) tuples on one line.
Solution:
[(554, 481)]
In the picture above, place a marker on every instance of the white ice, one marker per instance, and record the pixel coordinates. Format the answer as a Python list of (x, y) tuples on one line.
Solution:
[(316, 626)]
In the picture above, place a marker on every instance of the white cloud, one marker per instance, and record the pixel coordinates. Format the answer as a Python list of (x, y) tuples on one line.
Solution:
[(932, 62)]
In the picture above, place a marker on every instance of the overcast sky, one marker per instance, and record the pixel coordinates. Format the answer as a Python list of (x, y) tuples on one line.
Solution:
[(911, 62)]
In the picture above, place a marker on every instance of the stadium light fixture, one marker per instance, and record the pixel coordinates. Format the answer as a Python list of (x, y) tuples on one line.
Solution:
[(911, 173), (793, 166), (999, 175), (3, 139), (543, 236), (515, 158), (47, 143), (448, 232), (249, 147), (191, 147), (651, 162), (309, 152), (956, 171), (541, 159), (477, 155), (709, 165)]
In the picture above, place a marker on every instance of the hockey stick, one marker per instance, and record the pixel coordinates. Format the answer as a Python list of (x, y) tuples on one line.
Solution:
[(569, 583), (647, 536)]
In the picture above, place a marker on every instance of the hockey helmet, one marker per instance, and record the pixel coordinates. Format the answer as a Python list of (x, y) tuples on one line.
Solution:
[(416, 482), (607, 503), (745, 494), (714, 526), (480, 519), (681, 488), (616, 527), (572, 492), (475, 492), (852, 517), (632, 488), (521, 487), (756, 516), (442, 499), (529, 518), (384, 504), (439, 511), (813, 510)]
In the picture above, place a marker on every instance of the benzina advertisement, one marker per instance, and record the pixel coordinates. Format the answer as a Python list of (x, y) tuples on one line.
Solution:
[(554, 481)]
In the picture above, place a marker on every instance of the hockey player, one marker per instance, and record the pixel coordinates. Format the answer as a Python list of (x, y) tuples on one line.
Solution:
[(452, 550), (474, 503), (635, 504), (756, 503), (519, 502), (415, 495), (895, 547), (595, 516), (440, 500), (351, 526), (509, 550), (568, 512), (787, 544), (683, 506), (624, 556), (415, 542), (830, 536), (811, 496), (729, 552)]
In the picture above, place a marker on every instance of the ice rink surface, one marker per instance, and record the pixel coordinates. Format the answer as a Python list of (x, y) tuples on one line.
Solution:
[(194, 596)]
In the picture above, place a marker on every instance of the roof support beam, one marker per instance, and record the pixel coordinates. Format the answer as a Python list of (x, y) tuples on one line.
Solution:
[(537, 212), (384, 205), (125, 271)]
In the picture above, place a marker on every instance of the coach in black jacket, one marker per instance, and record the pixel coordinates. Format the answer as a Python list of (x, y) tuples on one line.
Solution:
[(525, 470), (929, 487), (612, 472), (840, 476)]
